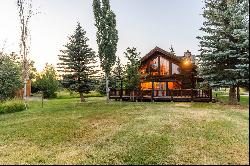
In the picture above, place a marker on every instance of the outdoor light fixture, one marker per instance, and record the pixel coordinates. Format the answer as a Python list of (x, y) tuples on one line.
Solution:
[(186, 62)]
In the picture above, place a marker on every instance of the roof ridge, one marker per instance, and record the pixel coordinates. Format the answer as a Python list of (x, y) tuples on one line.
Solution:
[(160, 50)]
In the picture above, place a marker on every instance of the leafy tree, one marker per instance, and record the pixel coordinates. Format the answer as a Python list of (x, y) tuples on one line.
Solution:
[(47, 82), (224, 58), (77, 63), (107, 37), (132, 75), (25, 12), (102, 85), (10, 77), (32, 69)]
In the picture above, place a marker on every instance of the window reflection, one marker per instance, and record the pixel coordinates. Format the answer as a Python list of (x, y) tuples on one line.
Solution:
[(175, 69), (143, 70), (174, 85), (146, 86), (164, 66), (154, 66)]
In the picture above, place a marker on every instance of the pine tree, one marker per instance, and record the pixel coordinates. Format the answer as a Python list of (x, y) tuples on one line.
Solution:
[(118, 74), (118, 70), (132, 69), (77, 63), (224, 58), (107, 37)]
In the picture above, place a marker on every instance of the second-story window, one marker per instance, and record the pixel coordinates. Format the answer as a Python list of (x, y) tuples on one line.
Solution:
[(164, 66), (154, 66), (175, 69)]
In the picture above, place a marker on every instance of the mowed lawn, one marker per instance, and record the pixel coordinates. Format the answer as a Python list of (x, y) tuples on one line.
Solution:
[(67, 132)]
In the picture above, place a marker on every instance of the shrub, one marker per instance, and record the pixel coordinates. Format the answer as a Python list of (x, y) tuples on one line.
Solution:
[(47, 82), (11, 106)]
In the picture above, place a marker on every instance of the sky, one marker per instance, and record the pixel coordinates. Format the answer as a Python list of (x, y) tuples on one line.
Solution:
[(143, 24)]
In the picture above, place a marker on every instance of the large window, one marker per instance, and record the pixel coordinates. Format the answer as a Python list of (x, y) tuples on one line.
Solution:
[(175, 69), (164, 66), (174, 85), (154, 66), (143, 70), (146, 86)]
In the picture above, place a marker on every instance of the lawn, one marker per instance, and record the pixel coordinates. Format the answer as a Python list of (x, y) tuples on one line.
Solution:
[(68, 132)]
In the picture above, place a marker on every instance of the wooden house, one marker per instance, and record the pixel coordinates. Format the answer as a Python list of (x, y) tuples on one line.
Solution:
[(166, 77)]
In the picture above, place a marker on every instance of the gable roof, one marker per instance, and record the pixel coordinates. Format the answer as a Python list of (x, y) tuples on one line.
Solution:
[(159, 50)]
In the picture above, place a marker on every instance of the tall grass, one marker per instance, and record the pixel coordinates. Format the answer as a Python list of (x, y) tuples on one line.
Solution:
[(12, 106)]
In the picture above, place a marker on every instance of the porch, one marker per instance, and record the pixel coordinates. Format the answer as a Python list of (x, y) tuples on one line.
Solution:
[(187, 95)]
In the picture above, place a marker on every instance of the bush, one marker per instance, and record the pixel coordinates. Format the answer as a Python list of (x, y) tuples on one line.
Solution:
[(47, 82), (11, 106)]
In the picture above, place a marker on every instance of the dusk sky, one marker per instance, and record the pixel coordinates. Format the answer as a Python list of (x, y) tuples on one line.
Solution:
[(143, 24)]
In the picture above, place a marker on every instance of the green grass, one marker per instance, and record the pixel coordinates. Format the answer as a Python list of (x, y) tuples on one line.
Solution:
[(95, 132), (65, 94), (224, 97)]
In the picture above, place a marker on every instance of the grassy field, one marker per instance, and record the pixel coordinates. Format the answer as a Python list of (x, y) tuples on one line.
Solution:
[(68, 132)]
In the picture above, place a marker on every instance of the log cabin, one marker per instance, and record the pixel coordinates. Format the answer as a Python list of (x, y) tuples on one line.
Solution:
[(165, 77)]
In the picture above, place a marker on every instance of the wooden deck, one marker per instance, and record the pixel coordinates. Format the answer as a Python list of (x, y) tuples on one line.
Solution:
[(176, 95)]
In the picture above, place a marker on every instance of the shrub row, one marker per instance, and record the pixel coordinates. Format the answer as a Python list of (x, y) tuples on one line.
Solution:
[(11, 106)]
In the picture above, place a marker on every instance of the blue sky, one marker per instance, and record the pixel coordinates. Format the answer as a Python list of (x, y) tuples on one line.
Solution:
[(143, 24)]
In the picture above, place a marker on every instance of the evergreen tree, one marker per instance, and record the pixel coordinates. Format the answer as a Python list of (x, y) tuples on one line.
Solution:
[(224, 58), (117, 75), (107, 37), (132, 69), (118, 70), (77, 63)]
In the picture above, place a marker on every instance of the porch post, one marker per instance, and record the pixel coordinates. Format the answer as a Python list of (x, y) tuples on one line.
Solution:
[(153, 92)]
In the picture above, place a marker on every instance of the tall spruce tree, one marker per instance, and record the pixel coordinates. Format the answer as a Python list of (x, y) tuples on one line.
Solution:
[(224, 58), (107, 37), (132, 69), (77, 63)]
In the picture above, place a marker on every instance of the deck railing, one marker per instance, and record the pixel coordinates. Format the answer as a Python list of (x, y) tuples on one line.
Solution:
[(175, 93)]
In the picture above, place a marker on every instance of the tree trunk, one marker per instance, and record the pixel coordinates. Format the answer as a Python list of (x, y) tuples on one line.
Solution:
[(232, 95), (25, 93), (107, 87), (82, 97), (238, 93)]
